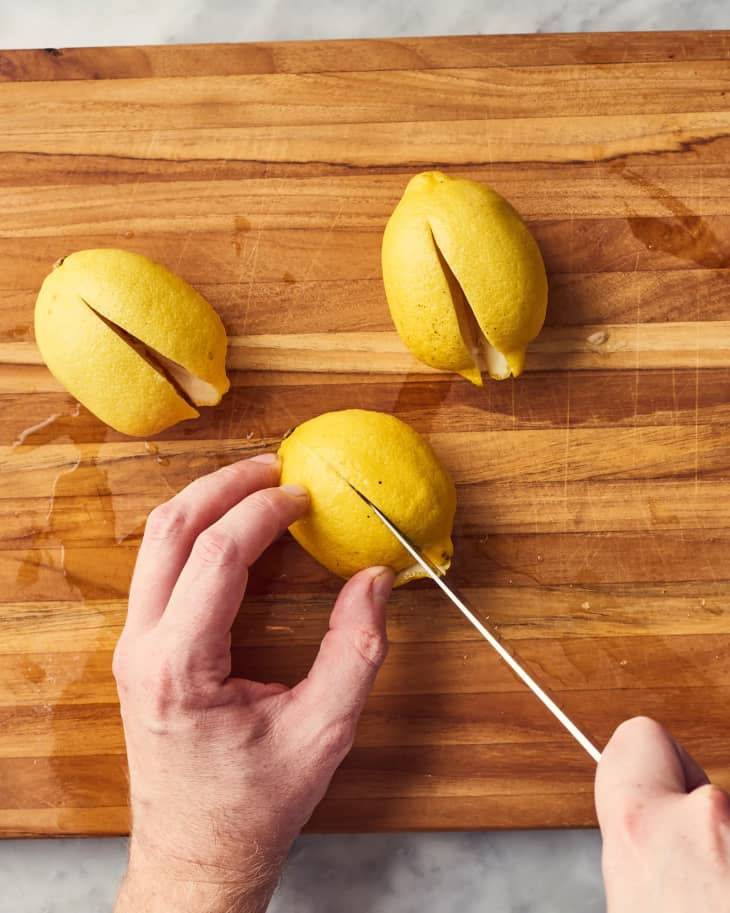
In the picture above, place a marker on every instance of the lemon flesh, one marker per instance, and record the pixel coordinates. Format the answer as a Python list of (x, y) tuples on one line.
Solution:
[(464, 278), (130, 340), (394, 467)]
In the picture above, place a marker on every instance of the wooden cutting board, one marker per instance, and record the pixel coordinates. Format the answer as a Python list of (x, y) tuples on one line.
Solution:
[(594, 512)]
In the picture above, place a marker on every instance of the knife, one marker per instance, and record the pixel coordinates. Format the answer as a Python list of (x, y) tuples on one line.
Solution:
[(507, 655)]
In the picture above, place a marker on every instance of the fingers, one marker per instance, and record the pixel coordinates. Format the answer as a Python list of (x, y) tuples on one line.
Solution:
[(352, 651), (173, 527), (641, 764), (209, 590)]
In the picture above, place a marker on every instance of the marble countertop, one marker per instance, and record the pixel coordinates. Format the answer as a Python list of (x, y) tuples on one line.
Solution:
[(48, 23), (393, 873)]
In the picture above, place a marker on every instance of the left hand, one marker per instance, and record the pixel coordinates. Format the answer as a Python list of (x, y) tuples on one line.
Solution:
[(224, 772)]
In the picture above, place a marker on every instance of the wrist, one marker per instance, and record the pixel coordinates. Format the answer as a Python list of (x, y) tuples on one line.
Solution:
[(174, 875), (147, 888), (143, 895), (206, 848)]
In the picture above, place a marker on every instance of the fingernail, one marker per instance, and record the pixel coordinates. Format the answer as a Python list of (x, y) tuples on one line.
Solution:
[(266, 458), (296, 490), (382, 582)]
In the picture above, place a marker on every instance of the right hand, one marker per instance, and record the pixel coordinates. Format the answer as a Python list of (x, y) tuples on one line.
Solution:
[(666, 829)]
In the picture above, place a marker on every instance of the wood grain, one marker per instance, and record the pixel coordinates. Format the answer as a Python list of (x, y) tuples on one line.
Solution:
[(54, 64), (593, 526)]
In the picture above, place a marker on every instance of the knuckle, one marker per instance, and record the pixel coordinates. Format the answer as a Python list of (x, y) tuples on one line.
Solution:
[(166, 520), (154, 686), (336, 738), (160, 694), (712, 823), (372, 646), (712, 804), (216, 548), (266, 503), (639, 729), (230, 471)]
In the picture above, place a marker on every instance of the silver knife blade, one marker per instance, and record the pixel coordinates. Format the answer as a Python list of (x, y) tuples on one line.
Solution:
[(491, 638)]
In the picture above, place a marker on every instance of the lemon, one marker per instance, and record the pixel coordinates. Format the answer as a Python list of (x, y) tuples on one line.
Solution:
[(463, 276), (132, 341), (394, 467)]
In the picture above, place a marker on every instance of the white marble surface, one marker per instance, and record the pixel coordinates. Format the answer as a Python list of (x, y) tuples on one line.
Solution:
[(549, 872), (51, 23), (514, 872)]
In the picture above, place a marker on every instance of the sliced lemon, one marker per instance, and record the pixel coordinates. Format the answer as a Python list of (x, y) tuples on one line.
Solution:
[(132, 341), (464, 278)]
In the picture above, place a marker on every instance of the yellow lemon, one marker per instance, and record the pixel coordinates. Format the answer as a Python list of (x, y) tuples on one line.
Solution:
[(132, 341), (394, 467), (464, 278)]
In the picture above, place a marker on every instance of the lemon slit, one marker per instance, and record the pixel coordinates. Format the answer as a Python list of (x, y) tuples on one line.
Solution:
[(486, 357), (158, 362), (469, 328), (198, 391)]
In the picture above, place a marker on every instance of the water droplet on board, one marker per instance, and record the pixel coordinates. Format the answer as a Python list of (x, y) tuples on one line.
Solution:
[(685, 237), (597, 339), (34, 429), (62, 537), (681, 233), (59, 572), (154, 451)]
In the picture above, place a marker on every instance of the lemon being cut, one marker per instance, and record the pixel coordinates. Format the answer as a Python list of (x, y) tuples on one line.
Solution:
[(464, 278), (132, 341), (394, 467)]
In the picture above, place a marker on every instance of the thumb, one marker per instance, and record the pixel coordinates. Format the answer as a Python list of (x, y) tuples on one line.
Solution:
[(641, 764), (352, 651)]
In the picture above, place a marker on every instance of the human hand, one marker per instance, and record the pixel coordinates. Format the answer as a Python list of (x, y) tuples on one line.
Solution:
[(666, 830), (224, 772)]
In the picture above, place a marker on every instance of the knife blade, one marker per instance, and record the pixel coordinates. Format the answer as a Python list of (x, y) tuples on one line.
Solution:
[(507, 655)]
